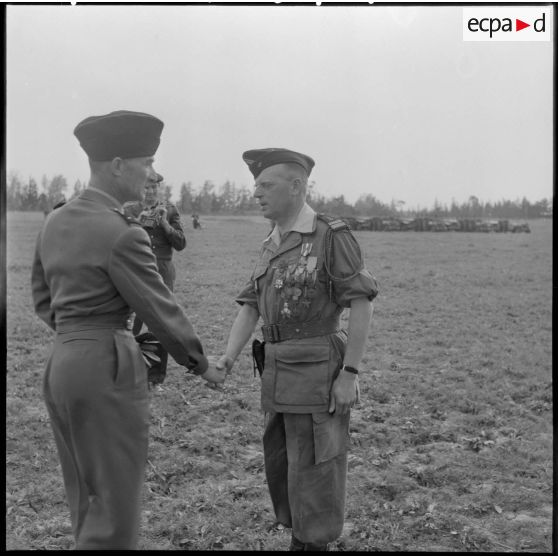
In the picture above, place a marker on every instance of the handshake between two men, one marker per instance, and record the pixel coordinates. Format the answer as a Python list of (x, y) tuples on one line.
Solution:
[(217, 370)]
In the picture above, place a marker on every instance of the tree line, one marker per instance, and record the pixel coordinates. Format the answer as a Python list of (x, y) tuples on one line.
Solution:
[(232, 199)]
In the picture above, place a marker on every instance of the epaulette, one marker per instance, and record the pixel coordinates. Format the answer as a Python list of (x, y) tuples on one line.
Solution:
[(128, 218), (334, 223)]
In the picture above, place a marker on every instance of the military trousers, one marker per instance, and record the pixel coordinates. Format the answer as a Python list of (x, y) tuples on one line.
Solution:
[(96, 395), (306, 470), (168, 272)]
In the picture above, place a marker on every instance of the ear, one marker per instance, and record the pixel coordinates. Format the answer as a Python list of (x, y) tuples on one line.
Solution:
[(296, 186), (117, 166)]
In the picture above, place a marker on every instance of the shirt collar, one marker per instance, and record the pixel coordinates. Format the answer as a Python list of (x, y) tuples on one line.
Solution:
[(304, 223), (112, 199)]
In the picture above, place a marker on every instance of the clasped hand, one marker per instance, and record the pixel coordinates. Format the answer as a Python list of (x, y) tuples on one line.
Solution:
[(217, 370)]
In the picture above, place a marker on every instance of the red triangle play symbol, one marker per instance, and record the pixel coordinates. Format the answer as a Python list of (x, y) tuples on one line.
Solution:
[(519, 25)]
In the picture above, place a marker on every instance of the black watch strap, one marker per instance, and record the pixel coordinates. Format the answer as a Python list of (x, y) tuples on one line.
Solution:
[(350, 369)]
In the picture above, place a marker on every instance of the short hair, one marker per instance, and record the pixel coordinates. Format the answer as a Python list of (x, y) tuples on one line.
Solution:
[(297, 171), (97, 166)]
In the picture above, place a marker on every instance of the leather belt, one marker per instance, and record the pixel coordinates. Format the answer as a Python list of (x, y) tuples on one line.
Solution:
[(93, 321), (275, 333)]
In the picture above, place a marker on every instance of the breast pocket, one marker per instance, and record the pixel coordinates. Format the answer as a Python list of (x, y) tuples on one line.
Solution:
[(303, 373), (259, 272)]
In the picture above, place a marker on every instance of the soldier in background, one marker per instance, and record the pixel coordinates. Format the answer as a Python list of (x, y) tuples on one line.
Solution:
[(92, 267), (161, 220)]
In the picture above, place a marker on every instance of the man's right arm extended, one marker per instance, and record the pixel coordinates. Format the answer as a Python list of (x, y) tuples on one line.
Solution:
[(240, 333), (134, 272)]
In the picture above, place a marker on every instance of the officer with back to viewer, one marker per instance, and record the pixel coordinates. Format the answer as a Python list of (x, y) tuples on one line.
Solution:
[(309, 269), (91, 268)]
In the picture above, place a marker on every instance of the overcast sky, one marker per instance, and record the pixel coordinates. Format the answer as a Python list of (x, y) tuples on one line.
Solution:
[(388, 100)]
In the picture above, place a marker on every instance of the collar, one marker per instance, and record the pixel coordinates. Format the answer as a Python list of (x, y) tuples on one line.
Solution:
[(112, 199), (304, 223)]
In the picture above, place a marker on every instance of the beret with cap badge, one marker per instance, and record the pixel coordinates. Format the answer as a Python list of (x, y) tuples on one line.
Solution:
[(259, 159), (123, 133)]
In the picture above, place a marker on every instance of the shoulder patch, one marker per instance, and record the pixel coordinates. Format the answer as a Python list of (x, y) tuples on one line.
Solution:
[(334, 223), (128, 218)]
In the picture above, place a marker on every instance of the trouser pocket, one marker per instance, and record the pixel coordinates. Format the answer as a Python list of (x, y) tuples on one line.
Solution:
[(331, 435), (131, 371)]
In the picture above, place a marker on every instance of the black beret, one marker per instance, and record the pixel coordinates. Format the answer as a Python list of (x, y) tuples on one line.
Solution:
[(122, 133), (259, 159)]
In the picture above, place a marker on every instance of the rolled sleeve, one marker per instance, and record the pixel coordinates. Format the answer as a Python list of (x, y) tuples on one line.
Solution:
[(347, 272), (248, 295)]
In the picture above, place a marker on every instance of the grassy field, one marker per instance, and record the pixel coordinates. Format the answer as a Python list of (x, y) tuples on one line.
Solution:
[(451, 444)]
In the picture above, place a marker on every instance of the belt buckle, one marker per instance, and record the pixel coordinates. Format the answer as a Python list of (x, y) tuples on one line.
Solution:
[(266, 332), (271, 332), (129, 322)]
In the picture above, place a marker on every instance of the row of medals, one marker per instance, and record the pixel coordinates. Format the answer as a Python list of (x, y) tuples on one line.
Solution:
[(296, 282)]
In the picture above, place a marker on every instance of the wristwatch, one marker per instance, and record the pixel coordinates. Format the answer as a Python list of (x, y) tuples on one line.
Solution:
[(350, 369)]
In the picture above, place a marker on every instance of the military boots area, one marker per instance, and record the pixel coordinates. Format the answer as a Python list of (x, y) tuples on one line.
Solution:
[(299, 546)]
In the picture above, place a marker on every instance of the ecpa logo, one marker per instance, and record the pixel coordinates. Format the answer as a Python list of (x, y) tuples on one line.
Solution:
[(507, 24)]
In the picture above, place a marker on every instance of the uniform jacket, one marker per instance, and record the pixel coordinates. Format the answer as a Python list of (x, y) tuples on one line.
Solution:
[(294, 282), (162, 242), (91, 261)]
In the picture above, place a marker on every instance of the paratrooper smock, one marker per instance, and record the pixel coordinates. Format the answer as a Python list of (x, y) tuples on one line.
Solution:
[(299, 286), (295, 283)]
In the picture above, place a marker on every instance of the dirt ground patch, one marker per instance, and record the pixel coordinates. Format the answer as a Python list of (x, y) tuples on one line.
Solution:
[(451, 444)]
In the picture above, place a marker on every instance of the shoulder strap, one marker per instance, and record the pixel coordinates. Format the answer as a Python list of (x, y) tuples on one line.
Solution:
[(128, 218), (334, 223)]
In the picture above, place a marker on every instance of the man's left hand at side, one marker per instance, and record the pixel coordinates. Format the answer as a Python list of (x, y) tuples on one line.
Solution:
[(345, 393)]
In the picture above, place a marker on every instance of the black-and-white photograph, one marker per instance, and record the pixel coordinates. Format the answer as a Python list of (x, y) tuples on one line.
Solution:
[(278, 277)]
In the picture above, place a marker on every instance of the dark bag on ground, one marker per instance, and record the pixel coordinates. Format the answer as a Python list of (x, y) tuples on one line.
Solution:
[(258, 354)]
